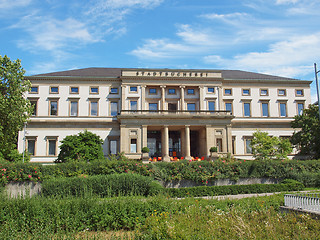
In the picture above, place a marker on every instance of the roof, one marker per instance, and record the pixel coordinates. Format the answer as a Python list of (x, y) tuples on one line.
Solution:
[(116, 73)]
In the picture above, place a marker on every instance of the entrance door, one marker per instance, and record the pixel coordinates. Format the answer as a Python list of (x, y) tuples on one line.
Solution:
[(174, 144), (194, 143)]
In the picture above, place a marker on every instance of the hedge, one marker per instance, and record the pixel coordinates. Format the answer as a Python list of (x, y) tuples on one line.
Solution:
[(113, 185), (307, 172), (234, 189)]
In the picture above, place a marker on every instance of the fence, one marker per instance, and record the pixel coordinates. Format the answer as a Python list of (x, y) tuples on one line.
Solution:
[(310, 202)]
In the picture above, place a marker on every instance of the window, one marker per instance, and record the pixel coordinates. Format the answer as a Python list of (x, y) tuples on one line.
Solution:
[(113, 146), (152, 91), (94, 90), (133, 105), (54, 90), (53, 107), (283, 109), (31, 146), (228, 92), (300, 107), (210, 90), (93, 108), (34, 107), (190, 91), (34, 89), (74, 108), (74, 90), (133, 145), (265, 109), (171, 91), (228, 106), (211, 105), (133, 89), (282, 92), (219, 144), (299, 92), (248, 148), (246, 92), (114, 90), (263, 92), (52, 146), (153, 106), (246, 109), (114, 108), (172, 106), (191, 107)]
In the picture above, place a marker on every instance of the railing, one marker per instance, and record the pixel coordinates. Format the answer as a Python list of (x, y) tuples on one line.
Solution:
[(309, 202), (177, 112)]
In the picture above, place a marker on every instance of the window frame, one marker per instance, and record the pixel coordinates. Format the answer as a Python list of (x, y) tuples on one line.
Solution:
[(133, 91), (133, 144), (244, 109), (111, 90), (174, 93), (31, 92), (151, 93), (286, 108), (48, 139), (73, 100), (210, 91), (225, 106), (268, 110), (50, 107), (31, 138), (70, 90), (245, 139), (93, 87), (227, 94), (191, 93), (52, 92), (246, 94), (282, 95), (214, 105), (264, 89), (132, 101), (113, 102), (151, 103), (303, 106), (93, 100), (299, 95), (35, 110), (195, 106)]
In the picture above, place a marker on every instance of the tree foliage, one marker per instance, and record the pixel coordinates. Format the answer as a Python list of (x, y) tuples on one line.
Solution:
[(15, 109), (265, 147), (84, 147), (307, 134)]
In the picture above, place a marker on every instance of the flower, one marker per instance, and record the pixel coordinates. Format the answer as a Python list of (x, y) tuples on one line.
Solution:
[(35, 171), (29, 176)]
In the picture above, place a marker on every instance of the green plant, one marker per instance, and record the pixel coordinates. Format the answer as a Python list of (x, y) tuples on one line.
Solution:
[(84, 147), (213, 149), (145, 150)]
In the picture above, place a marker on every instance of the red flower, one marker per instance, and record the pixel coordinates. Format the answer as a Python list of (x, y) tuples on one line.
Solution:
[(29, 176), (35, 171)]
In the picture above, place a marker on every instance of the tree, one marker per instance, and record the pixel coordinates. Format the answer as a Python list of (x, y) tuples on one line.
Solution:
[(84, 147), (307, 134), (15, 109), (265, 147)]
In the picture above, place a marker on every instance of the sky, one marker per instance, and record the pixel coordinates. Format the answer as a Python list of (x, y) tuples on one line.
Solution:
[(277, 37)]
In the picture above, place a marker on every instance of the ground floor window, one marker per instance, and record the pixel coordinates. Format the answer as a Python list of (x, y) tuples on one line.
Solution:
[(247, 142), (133, 145), (113, 146), (51, 146), (31, 146)]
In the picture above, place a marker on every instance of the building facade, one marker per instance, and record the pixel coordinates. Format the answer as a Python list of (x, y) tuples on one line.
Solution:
[(175, 113)]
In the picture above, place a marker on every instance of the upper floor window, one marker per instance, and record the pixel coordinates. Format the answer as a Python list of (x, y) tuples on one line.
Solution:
[(228, 106), (171, 91), (94, 90), (34, 89), (228, 91), (152, 91), (265, 109), (153, 106), (246, 109), (282, 92), (133, 105), (114, 108), (93, 108), (246, 92), (74, 108), (54, 89), (34, 106), (74, 90), (211, 105), (31, 145), (190, 91), (299, 92), (300, 107), (210, 89), (263, 92), (114, 90), (53, 107), (283, 109), (133, 89), (191, 106)]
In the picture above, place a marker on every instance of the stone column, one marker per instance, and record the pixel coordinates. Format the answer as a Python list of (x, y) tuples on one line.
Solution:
[(143, 97), (220, 101), (124, 139), (123, 97), (229, 139), (210, 139), (182, 104), (201, 98), (165, 144), (163, 98), (224, 140), (144, 136), (187, 143)]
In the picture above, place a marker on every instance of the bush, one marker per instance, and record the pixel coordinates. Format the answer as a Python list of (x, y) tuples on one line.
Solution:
[(234, 189), (145, 150), (102, 185)]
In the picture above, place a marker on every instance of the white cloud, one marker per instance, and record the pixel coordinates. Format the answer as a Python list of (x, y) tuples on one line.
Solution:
[(10, 4), (286, 58), (50, 34), (286, 1)]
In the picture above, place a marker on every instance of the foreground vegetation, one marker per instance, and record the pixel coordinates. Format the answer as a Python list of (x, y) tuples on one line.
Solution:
[(152, 218)]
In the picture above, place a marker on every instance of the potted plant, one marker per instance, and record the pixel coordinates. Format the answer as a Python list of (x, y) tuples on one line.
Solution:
[(213, 153), (145, 154)]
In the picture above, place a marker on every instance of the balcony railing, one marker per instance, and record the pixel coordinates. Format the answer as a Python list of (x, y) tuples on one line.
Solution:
[(309, 202), (175, 112)]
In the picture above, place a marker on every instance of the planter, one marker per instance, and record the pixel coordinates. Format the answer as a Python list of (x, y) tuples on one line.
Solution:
[(214, 156), (145, 157)]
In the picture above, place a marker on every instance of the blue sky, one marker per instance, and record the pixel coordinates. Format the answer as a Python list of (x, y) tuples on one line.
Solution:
[(279, 37)]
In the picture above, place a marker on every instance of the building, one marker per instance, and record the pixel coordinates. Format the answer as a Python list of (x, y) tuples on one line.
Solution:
[(175, 112)]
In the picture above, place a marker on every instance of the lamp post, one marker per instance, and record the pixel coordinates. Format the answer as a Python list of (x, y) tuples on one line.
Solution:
[(316, 73)]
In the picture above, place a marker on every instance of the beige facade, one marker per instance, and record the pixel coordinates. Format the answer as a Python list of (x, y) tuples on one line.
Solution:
[(176, 113)]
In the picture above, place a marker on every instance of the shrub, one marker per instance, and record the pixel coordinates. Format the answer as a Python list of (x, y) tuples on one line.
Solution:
[(213, 149), (145, 150), (102, 185)]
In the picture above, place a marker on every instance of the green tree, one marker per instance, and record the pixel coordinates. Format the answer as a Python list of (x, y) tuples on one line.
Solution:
[(265, 147), (84, 147), (15, 109), (307, 134)]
